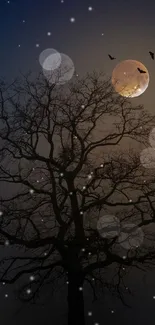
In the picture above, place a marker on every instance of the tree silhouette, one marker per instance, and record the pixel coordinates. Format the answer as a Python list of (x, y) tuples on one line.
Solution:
[(69, 157)]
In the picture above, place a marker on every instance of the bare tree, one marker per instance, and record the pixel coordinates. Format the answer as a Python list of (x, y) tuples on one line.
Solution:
[(70, 156)]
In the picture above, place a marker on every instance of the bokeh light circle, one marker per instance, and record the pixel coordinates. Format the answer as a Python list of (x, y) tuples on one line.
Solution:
[(52, 62), (130, 237), (50, 59), (63, 74), (108, 226), (147, 157), (152, 138)]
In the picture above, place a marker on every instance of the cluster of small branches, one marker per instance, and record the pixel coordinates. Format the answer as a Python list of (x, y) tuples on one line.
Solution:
[(61, 150)]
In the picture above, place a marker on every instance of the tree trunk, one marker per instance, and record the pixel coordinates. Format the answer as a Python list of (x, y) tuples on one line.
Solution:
[(75, 300)]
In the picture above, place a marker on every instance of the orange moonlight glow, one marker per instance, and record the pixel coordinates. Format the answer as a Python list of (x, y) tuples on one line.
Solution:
[(128, 81)]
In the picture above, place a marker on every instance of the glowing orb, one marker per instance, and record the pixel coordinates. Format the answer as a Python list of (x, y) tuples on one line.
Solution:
[(152, 138), (50, 59), (63, 73), (147, 157)]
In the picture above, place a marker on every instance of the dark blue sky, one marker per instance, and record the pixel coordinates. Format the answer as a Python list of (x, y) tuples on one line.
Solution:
[(129, 33), (128, 27)]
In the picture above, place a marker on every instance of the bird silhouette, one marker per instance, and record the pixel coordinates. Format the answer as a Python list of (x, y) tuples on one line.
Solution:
[(111, 57), (152, 55), (141, 71)]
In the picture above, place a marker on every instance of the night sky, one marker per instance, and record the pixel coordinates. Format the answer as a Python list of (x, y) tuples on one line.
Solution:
[(123, 29), (126, 30)]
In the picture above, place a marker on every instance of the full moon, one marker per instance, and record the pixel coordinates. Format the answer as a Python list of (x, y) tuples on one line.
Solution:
[(128, 81)]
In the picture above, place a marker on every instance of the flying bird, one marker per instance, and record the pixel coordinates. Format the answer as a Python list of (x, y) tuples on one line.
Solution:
[(141, 71), (152, 55), (111, 57)]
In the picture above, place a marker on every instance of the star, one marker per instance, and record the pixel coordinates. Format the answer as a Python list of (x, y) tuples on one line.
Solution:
[(28, 291), (90, 8), (32, 278), (80, 289), (7, 243), (90, 313), (72, 20), (49, 34)]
